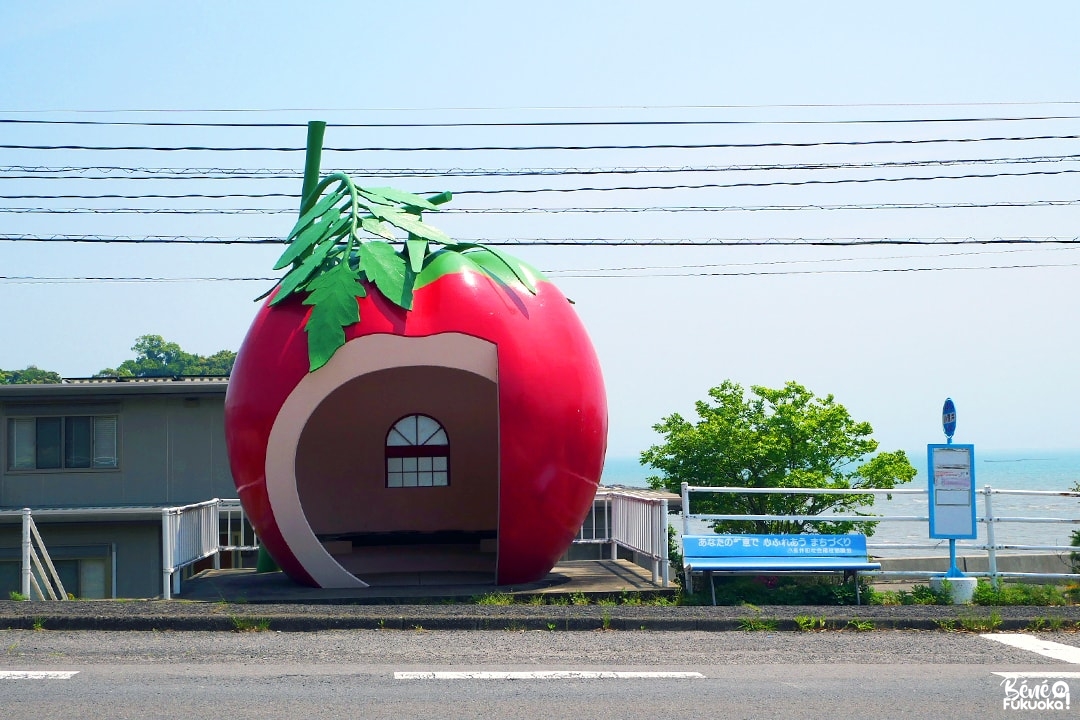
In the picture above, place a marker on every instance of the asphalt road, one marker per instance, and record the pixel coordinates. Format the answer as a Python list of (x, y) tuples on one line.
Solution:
[(354, 674)]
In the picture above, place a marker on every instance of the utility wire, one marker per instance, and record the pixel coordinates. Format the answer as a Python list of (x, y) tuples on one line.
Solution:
[(534, 124), (249, 111), (575, 242), (618, 188), (108, 172), (32, 279), (560, 210), (511, 148)]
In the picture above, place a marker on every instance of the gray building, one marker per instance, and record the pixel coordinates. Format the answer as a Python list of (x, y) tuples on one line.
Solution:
[(96, 461)]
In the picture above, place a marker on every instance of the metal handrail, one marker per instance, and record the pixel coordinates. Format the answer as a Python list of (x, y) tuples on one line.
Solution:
[(991, 546), (188, 534), (36, 557)]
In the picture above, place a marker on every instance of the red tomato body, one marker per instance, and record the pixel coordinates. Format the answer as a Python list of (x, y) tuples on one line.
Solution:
[(551, 403)]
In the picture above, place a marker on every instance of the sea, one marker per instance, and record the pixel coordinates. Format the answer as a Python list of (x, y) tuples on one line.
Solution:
[(1046, 470)]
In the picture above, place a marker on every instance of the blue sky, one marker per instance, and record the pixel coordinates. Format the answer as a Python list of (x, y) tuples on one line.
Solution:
[(883, 327)]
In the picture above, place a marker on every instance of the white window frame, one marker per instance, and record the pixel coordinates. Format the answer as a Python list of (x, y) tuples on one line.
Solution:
[(21, 441), (417, 453)]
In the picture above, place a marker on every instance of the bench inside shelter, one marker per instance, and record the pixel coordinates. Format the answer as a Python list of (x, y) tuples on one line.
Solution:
[(766, 554)]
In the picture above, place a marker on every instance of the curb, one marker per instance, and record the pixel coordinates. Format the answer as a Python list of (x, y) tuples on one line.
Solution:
[(216, 617)]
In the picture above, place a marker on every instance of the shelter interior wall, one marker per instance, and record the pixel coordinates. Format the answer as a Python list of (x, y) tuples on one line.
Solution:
[(340, 459)]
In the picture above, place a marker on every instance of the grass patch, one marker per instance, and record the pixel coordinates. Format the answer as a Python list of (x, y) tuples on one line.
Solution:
[(861, 625), (579, 598), (809, 623), (17, 596), (1019, 594), (918, 595), (981, 623), (777, 590), (250, 624), (946, 624), (758, 624), (495, 598), (1053, 623)]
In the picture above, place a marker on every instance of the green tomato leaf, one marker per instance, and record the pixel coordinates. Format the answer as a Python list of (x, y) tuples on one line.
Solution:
[(377, 227), (320, 207), (332, 297), (391, 195), (412, 225), (312, 235), (386, 268), (417, 249), (300, 274)]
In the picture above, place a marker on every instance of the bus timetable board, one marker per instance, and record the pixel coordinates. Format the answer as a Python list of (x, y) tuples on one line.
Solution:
[(952, 491)]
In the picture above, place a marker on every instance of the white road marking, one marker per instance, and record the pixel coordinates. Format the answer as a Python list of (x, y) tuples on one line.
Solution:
[(37, 674), (1035, 675), (1057, 651), (544, 675)]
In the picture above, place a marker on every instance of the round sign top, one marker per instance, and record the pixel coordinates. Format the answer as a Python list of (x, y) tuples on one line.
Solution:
[(948, 418)]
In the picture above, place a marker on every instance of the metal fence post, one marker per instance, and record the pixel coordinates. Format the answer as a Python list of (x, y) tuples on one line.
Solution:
[(991, 541), (685, 509), (664, 550), (26, 553), (166, 555)]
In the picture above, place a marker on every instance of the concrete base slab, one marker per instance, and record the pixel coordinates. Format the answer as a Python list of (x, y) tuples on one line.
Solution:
[(590, 577)]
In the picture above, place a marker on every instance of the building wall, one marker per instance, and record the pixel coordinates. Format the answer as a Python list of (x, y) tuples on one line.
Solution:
[(341, 465), (135, 545), (171, 452)]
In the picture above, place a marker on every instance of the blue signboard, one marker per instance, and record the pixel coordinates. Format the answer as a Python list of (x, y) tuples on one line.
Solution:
[(948, 418), (952, 491)]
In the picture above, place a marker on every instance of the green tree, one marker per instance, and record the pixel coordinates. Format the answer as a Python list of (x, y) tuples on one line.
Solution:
[(32, 375), (775, 438), (156, 357)]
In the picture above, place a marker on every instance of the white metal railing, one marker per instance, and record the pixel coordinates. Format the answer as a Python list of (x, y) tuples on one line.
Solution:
[(193, 532), (234, 526), (188, 534), (640, 524), (36, 564), (635, 521), (988, 518)]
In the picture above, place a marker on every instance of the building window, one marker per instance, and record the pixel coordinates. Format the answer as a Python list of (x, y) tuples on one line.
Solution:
[(417, 453), (60, 443)]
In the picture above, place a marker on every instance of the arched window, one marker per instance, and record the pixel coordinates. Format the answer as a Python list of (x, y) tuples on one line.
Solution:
[(417, 453)]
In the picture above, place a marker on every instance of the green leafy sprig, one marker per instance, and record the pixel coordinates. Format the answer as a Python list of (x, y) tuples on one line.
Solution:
[(329, 260)]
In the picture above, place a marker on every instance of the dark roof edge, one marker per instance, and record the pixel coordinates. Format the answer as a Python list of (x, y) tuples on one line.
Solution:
[(97, 387)]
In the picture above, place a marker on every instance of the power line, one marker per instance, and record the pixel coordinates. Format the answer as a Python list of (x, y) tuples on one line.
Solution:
[(835, 271), (618, 188), (33, 279), (106, 172), (577, 242), (561, 210), (180, 111), (535, 124), (513, 148), (816, 261)]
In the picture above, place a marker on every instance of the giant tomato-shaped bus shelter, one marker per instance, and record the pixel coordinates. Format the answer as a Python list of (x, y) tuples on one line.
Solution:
[(420, 412)]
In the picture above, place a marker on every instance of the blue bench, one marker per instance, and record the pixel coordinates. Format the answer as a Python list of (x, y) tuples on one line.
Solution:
[(766, 554)]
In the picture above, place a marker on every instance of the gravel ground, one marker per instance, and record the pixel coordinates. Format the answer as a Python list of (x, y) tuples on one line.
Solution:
[(644, 650), (146, 615)]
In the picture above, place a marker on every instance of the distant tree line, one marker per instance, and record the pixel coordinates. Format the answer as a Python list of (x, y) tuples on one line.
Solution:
[(154, 357)]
